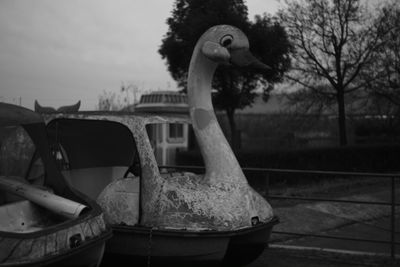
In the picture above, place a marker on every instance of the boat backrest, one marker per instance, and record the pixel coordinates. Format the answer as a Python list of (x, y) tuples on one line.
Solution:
[(91, 181)]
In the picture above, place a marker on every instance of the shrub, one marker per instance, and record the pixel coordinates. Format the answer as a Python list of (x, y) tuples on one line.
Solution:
[(372, 158)]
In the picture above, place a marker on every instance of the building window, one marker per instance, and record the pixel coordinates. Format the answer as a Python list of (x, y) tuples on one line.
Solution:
[(175, 132)]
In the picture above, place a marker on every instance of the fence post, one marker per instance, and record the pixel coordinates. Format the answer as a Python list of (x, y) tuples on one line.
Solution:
[(393, 219)]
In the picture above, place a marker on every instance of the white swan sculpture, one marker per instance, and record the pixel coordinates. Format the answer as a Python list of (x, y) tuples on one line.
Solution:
[(221, 199)]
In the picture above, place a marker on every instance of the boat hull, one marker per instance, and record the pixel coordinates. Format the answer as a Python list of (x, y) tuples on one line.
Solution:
[(248, 245), (159, 247), (140, 246), (88, 255), (72, 244)]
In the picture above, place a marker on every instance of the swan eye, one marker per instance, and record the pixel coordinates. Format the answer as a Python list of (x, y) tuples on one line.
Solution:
[(226, 40)]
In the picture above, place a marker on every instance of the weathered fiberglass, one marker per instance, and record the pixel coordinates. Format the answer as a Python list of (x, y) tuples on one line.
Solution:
[(199, 206), (151, 179)]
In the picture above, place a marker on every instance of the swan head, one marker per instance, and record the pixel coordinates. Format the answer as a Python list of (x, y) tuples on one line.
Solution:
[(224, 44)]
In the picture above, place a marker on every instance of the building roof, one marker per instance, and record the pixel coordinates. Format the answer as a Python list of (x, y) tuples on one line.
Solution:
[(163, 102)]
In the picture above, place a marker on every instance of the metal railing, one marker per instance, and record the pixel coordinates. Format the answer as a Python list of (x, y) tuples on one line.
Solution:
[(392, 204)]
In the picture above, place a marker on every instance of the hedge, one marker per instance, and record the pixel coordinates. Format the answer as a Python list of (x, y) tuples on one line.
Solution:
[(360, 158)]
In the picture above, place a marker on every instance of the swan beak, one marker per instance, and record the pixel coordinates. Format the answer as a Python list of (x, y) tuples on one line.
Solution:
[(243, 58)]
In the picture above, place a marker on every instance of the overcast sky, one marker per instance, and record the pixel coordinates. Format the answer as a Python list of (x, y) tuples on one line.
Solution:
[(59, 52)]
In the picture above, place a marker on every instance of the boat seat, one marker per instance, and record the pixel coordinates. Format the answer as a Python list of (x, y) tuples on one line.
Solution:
[(25, 217)]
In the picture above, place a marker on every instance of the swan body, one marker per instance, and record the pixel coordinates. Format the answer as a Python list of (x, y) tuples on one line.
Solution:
[(222, 198)]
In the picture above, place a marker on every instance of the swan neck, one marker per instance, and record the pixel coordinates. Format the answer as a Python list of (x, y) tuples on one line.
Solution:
[(201, 72), (220, 162)]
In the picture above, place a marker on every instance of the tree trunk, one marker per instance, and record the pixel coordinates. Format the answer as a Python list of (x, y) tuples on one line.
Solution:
[(230, 112), (341, 118)]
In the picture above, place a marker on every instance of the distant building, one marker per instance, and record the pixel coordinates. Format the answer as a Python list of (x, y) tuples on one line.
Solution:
[(163, 102), (166, 139)]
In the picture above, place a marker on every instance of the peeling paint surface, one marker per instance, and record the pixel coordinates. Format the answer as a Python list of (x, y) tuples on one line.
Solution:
[(120, 201)]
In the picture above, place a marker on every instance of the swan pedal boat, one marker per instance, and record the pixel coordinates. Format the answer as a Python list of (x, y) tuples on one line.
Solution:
[(178, 217), (43, 221), (109, 157)]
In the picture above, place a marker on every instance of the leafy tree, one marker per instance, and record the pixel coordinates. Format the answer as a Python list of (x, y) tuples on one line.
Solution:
[(234, 89), (334, 41)]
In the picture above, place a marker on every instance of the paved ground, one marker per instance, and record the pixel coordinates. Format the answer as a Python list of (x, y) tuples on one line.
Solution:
[(377, 229), (350, 220), (283, 257)]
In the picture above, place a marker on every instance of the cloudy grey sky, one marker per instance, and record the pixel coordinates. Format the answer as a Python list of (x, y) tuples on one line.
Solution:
[(59, 52)]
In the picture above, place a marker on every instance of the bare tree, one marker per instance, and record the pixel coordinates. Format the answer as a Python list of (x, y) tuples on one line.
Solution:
[(386, 67), (130, 92), (333, 42), (109, 101), (125, 99)]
